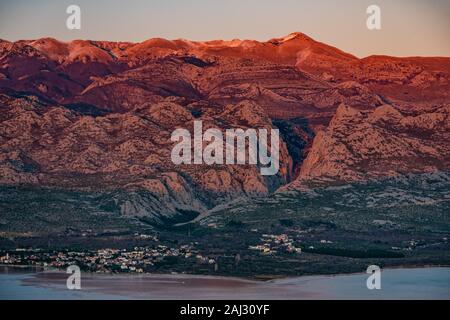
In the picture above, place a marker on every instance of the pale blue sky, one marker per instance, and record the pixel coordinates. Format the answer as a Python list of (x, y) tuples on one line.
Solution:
[(409, 27)]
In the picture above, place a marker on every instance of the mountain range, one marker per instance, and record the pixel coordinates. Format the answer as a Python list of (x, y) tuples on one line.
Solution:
[(96, 117)]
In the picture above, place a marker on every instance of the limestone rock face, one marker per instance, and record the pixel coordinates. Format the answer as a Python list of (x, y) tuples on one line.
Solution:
[(97, 116), (365, 145), (53, 146)]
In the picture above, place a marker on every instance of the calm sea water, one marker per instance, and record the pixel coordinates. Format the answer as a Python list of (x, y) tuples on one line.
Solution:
[(421, 283)]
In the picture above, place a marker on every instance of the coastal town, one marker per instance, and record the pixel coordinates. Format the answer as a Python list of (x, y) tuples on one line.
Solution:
[(262, 253), (137, 260), (140, 259)]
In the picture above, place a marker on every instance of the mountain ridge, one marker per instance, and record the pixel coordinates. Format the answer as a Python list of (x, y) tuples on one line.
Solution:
[(97, 115)]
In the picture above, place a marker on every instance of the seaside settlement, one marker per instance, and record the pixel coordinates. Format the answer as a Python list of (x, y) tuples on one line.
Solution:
[(260, 254), (141, 259)]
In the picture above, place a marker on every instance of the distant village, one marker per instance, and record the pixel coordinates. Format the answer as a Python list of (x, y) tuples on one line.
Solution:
[(271, 244), (151, 254), (137, 260)]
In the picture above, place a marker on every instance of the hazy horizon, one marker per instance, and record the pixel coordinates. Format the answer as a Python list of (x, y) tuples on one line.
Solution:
[(409, 27)]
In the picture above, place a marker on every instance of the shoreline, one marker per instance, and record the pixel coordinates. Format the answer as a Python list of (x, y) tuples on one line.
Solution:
[(430, 282), (257, 279)]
